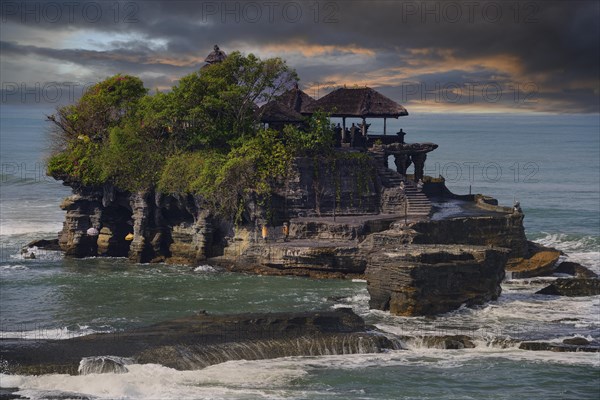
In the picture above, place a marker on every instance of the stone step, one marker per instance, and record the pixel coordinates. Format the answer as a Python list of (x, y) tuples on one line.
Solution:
[(418, 203)]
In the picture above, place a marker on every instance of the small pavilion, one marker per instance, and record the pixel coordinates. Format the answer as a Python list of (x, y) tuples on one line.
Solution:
[(289, 108), (277, 115), (359, 103)]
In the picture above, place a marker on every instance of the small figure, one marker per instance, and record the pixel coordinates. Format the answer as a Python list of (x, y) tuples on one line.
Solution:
[(353, 135), (338, 135), (517, 207), (401, 133), (265, 232), (347, 135), (286, 231)]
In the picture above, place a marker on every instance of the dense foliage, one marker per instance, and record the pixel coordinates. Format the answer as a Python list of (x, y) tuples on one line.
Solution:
[(203, 137)]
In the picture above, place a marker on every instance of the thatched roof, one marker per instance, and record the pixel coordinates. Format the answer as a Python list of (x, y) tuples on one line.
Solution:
[(359, 103), (297, 100), (217, 55), (275, 111), (288, 107)]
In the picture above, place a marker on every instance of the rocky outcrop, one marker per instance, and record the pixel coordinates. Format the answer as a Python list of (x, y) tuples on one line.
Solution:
[(495, 229), (566, 346), (345, 214), (44, 244), (540, 261), (575, 269), (197, 341), (83, 210), (323, 259), (572, 287), (428, 280)]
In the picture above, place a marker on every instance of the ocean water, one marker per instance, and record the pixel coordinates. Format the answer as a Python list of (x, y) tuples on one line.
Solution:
[(549, 163)]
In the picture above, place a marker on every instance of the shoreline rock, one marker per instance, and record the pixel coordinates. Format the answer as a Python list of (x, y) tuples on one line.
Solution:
[(206, 338), (572, 287), (540, 261), (429, 280), (575, 269)]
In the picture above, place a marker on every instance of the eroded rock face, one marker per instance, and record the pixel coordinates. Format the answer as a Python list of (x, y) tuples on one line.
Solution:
[(498, 230), (163, 227), (428, 280)]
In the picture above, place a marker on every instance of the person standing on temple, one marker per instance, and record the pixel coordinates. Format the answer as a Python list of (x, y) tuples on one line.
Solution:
[(338, 135), (346, 135), (364, 127), (353, 135), (401, 133)]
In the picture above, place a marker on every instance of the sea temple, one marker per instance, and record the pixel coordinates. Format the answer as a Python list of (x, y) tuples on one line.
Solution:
[(350, 213)]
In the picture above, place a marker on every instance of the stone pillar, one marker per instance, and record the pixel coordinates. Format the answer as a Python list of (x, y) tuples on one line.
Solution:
[(402, 162), (419, 160), (138, 251), (82, 212)]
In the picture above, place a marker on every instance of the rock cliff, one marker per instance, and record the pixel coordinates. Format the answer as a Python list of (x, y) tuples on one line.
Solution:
[(433, 279), (346, 219)]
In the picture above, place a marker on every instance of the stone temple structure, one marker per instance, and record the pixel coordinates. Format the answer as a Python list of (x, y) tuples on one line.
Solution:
[(356, 217)]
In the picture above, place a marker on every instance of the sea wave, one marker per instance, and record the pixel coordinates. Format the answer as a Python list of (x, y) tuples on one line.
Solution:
[(63, 333), (583, 249), (205, 268)]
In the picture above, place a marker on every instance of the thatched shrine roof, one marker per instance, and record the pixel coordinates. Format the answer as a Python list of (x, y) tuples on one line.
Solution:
[(359, 103), (296, 100), (276, 111), (217, 55)]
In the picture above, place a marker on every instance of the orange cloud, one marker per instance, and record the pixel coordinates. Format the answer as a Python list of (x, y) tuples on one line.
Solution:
[(313, 50)]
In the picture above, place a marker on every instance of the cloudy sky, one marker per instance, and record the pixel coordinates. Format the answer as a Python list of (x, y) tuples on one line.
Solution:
[(466, 56)]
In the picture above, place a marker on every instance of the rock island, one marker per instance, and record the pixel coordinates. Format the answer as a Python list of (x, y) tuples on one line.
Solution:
[(236, 166)]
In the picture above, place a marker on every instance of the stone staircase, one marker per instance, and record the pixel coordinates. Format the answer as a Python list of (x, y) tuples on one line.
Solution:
[(418, 203)]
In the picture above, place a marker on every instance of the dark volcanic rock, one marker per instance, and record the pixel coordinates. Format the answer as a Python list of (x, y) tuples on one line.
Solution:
[(575, 269), (198, 341), (560, 347), (577, 341), (45, 244), (447, 342), (428, 280), (572, 287), (8, 393)]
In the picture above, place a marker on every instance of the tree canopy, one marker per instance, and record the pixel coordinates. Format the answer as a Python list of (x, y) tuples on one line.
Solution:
[(202, 137)]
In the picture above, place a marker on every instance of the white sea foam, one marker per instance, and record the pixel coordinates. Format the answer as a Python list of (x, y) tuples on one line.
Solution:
[(584, 250), (34, 253), (49, 333), (446, 210), (15, 267), (240, 379), (205, 268)]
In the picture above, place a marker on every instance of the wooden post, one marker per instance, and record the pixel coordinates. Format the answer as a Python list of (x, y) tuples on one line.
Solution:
[(344, 138), (384, 125)]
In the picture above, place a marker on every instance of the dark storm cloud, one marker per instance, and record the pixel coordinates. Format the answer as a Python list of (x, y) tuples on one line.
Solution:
[(555, 45)]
